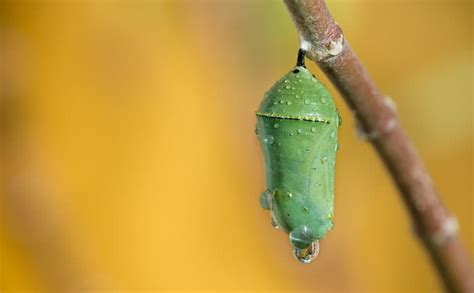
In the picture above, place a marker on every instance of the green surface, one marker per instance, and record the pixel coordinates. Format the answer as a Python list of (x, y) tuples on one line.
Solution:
[(297, 125)]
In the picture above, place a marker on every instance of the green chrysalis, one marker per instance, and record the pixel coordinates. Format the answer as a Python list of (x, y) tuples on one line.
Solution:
[(297, 124)]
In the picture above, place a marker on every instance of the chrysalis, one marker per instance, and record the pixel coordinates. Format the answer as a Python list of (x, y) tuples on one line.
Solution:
[(297, 125)]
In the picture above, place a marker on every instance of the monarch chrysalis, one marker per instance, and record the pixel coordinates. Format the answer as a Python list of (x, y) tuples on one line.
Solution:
[(297, 124)]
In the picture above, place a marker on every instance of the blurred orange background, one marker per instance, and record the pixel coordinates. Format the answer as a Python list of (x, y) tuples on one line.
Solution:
[(129, 159)]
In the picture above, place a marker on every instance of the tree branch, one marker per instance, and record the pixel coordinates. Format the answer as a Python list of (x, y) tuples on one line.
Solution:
[(376, 117)]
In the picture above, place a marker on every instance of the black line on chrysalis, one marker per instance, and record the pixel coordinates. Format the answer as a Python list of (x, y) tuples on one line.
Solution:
[(300, 59)]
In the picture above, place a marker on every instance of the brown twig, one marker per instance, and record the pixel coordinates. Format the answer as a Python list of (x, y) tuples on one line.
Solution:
[(376, 116)]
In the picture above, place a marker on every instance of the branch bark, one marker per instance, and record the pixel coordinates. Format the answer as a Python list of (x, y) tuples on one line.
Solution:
[(376, 117)]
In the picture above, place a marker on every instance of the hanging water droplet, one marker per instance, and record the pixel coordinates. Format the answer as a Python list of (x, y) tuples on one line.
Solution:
[(324, 159), (313, 129), (307, 101), (308, 254), (266, 200), (276, 125)]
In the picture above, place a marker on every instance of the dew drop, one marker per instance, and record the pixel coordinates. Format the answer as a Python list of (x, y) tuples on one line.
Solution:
[(288, 87), (299, 131), (307, 101), (323, 100), (297, 96), (308, 254), (324, 159), (269, 139), (293, 88), (305, 209), (332, 134), (336, 147), (289, 194), (286, 81), (313, 129), (289, 103), (266, 200), (291, 134), (276, 125)]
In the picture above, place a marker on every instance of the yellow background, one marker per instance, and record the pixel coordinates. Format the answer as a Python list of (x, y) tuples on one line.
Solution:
[(129, 159)]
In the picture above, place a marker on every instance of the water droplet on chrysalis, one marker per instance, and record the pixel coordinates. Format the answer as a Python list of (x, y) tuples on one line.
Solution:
[(269, 139), (324, 159), (301, 237), (266, 199)]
